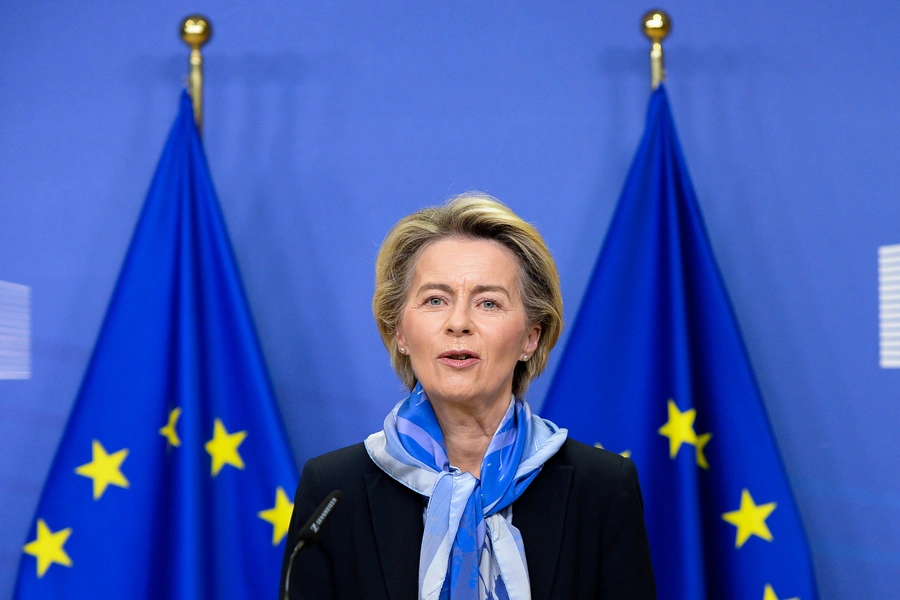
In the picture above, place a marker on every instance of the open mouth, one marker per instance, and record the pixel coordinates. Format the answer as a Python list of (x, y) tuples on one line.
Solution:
[(459, 358)]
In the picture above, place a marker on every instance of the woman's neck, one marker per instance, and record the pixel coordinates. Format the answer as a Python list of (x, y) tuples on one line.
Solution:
[(468, 431)]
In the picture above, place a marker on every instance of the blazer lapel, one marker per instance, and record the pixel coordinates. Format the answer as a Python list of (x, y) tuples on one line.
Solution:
[(539, 514), (396, 514)]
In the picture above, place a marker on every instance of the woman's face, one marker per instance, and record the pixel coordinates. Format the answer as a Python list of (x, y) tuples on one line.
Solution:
[(464, 324)]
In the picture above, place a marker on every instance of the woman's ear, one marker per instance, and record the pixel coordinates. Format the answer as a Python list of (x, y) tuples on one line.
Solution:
[(399, 337), (534, 336)]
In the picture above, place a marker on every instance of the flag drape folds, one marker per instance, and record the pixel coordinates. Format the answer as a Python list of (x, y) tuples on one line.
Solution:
[(173, 477), (655, 369)]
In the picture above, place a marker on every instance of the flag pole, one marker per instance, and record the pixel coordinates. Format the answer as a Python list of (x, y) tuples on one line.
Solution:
[(656, 25), (196, 31)]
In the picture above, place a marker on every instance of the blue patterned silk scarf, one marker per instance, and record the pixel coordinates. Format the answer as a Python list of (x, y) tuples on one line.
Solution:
[(470, 550)]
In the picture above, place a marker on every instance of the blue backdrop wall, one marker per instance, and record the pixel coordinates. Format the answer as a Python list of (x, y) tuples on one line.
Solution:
[(326, 122)]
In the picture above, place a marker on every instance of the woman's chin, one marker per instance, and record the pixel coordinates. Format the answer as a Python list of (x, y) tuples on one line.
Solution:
[(466, 394)]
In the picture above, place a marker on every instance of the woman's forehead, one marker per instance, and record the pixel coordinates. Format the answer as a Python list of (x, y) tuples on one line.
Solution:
[(457, 261)]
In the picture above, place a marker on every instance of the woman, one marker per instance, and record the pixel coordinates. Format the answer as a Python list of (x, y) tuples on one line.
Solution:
[(465, 493)]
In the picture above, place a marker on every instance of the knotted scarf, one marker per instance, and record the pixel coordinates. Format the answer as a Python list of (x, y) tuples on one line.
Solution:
[(470, 550)]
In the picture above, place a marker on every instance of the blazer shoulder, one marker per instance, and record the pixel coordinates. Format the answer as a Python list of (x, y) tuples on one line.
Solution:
[(581, 455), (347, 457), (338, 467), (594, 466)]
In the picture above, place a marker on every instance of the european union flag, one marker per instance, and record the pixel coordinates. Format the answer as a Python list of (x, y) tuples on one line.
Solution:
[(655, 369), (173, 477)]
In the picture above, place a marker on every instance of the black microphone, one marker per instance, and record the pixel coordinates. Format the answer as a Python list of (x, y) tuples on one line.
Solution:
[(309, 535)]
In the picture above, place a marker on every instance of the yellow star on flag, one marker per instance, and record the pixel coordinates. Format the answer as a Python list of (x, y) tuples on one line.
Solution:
[(750, 519), (680, 430), (223, 448), (168, 431), (279, 516), (104, 469), (702, 440), (769, 594), (48, 548)]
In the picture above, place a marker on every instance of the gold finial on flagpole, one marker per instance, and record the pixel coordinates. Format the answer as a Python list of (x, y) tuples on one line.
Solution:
[(196, 31), (656, 24)]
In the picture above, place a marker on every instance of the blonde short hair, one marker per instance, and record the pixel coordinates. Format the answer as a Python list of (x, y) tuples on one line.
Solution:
[(474, 216)]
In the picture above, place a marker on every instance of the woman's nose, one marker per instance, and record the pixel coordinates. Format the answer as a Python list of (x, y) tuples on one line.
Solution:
[(459, 321)]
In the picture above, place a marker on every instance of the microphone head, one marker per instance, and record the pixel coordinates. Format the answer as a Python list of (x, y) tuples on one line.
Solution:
[(310, 531)]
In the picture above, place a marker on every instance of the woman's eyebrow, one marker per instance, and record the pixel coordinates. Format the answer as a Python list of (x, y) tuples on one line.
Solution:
[(478, 289), (443, 287)]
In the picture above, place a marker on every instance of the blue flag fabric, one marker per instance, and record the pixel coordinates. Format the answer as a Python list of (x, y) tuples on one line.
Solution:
[(655, 368), (173, 478)]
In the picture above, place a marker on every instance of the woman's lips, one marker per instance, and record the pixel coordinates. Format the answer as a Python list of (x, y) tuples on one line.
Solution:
[(459, 359)]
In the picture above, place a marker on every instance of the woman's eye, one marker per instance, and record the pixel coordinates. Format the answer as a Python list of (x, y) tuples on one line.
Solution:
[(489, 304), (434, 301)]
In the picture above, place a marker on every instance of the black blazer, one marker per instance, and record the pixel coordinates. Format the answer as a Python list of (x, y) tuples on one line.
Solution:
[(582, 522)]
